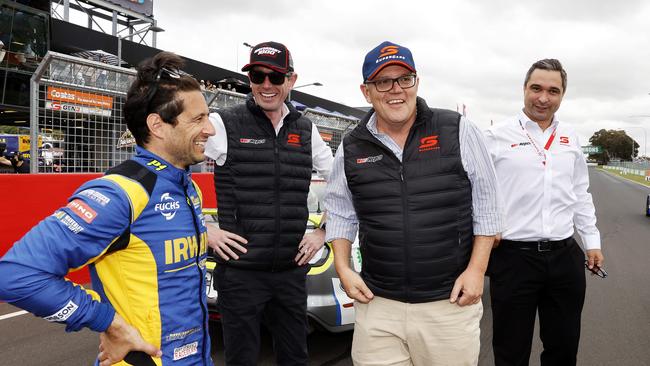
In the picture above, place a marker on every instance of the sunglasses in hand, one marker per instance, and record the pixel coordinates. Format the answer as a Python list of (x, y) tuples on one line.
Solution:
[(596, 270)]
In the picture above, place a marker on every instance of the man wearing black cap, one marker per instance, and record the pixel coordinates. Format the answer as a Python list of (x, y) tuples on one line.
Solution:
[(419, 186), (264, 155)]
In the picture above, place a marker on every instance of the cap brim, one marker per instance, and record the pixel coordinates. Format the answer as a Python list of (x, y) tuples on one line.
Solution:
[(270, 66), (395, 62)]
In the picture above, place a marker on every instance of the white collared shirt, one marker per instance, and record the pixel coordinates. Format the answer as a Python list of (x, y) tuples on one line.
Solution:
[(217, 146), (542, 201)]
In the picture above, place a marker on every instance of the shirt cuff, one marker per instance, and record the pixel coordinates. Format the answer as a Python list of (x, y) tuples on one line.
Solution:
[(488, 224), (104, 315), (339, 229), (591, 241)]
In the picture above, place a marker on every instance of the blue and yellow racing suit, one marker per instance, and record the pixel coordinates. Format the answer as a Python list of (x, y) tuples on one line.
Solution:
[(140, 231)]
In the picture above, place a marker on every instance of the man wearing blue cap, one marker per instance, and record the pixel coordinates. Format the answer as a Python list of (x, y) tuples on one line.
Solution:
[(419, 186)]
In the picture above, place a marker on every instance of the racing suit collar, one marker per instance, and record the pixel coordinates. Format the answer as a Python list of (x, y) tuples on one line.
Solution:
[(161, 167)]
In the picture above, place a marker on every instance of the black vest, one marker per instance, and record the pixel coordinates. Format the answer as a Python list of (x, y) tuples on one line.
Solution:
[(415, 217), (263, 185)]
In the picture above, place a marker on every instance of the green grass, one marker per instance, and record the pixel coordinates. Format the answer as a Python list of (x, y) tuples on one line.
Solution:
[(632, 177)]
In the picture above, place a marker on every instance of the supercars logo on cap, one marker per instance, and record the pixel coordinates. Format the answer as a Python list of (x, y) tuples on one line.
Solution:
[(388, 50), (267, 51)]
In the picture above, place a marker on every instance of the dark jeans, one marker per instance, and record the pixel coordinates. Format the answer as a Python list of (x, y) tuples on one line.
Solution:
[(246, 298), (523, 282)]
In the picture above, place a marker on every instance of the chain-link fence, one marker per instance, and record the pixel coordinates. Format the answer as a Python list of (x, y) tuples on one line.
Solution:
[(76, 115), (77, 120), (220, 99), (332, 126)]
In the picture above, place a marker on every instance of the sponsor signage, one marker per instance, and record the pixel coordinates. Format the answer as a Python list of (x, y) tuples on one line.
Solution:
[(78, 97), (66, 107), (139, 6), (592, 149)]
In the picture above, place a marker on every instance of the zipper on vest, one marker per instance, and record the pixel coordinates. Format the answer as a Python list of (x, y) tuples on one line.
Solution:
[(276, 241), (407, 240)]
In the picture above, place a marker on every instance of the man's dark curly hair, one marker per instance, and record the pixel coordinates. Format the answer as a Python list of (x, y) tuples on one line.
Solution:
[(154, 90)]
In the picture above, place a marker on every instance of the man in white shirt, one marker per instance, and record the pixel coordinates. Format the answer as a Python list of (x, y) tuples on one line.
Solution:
[(264, 153), (538, 265)]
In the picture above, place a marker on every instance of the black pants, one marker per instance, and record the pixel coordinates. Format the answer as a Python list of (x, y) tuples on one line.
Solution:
[(523, 282), (246, 298)]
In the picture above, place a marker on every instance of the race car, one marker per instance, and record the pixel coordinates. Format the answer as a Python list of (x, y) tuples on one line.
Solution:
[(328, 306), (647, 206)]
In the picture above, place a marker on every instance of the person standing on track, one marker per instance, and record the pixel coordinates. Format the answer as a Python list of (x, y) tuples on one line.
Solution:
[(538, 267), (419, 185), (264, 153), (139, 229)]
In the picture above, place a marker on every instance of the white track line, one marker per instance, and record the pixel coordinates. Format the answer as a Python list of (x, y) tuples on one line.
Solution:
[(11, 315)]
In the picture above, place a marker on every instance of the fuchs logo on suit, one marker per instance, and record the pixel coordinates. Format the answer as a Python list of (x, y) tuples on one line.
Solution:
[(252, 141), (370, 159), (293, 139), (167, 206), (428, 143)]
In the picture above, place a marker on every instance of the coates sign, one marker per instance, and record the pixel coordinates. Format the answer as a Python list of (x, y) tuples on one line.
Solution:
[(140, 6), (77, 97)]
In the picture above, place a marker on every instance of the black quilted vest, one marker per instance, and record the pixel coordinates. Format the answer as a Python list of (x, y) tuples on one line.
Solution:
[(263, 185), (415, 217)]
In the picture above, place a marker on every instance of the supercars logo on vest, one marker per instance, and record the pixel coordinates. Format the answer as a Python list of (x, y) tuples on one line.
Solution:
[(252, 141), (428, 143), (370, 159), (167, 206), (293, 139)]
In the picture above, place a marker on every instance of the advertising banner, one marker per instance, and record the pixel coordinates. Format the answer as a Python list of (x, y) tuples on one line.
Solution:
[(139, 6), (66, 107), (78, 97)]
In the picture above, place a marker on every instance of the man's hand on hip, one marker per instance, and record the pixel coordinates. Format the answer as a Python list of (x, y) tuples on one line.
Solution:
[(309, 246), (223, 242), (119, 339)]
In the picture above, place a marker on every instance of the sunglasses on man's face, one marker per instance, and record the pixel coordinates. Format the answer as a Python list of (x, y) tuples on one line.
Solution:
[(257, 77)]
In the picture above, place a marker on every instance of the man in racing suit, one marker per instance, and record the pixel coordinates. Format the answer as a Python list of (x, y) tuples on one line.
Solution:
[(139, 229)]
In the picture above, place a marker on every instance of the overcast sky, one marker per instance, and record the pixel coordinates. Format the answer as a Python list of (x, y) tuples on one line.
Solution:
[(471, 52)]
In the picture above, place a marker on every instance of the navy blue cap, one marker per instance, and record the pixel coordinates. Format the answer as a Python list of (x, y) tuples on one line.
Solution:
[(387, 53), (273, 55)]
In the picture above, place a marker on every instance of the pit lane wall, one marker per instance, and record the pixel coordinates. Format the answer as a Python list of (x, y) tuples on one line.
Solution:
[(29, 198)]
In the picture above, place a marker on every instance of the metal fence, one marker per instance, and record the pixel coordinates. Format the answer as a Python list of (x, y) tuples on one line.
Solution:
[(221, 98), (77, 122), (76, 115), (332, 126)]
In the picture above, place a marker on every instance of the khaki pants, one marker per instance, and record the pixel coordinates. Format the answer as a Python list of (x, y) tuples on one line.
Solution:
[(388, 332)]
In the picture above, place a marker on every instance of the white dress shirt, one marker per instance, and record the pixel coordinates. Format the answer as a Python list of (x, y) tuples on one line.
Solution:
[(542, 201), (342, 221), (217, 146)]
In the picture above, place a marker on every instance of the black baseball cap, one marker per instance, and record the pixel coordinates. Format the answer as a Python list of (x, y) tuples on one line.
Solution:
[(273, 55)]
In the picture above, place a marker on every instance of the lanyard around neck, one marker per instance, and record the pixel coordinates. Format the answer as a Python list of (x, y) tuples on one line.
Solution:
[(541, 153)]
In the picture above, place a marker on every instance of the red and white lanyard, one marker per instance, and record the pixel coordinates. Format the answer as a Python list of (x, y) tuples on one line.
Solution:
[(540, 152)]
